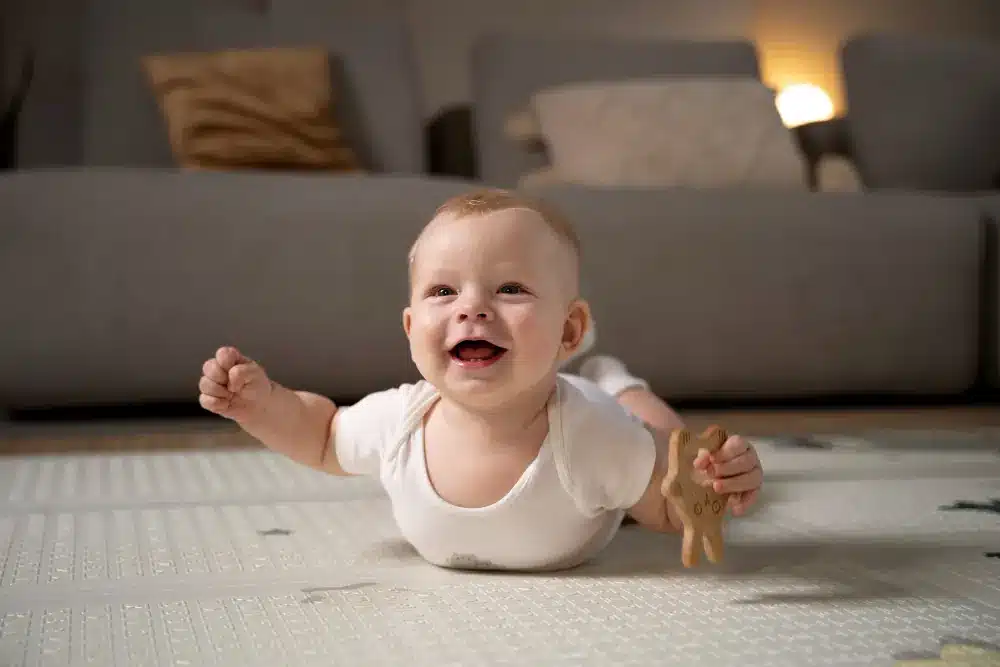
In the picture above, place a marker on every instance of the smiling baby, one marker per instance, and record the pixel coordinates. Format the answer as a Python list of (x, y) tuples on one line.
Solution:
[(496, 458)]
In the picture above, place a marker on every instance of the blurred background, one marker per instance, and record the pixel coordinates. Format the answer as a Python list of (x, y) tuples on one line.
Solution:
[(177, 176), (797, 41)]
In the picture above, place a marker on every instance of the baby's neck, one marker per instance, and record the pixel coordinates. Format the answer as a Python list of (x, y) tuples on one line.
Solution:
[(508, 425)]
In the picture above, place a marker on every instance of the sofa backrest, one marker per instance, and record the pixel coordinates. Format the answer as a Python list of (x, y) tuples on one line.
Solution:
[(508, 68), (92, 104), (924, 113)]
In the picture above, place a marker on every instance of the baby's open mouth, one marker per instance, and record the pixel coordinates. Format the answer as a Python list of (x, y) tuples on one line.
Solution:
[(476, 353)]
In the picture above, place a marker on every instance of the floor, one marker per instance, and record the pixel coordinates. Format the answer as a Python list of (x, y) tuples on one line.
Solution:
[(771, 422), (175, 544), (69, 436)]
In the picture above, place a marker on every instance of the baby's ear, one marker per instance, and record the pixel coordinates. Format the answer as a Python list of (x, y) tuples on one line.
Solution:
[(407, 321), (578, 323)]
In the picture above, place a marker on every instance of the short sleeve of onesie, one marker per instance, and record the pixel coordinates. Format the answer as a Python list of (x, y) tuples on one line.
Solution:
[(364, 430), (607, 454)]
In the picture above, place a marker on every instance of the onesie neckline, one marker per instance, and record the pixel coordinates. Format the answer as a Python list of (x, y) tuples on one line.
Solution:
[(544, 453)]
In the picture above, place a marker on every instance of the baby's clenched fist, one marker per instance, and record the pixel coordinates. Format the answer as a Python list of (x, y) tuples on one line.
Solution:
[(233, 385)]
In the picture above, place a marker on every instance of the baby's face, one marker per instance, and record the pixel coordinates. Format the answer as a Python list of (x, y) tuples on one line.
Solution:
[(493, 305)]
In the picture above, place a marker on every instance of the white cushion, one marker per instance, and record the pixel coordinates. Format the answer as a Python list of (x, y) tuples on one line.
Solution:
[(701, 133)]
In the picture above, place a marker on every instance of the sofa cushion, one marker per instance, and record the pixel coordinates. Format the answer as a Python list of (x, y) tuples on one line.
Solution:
[(508, 68), (767, 296), (266, 108), (666, 132), (124, 283), (90, 61), (924, 112)]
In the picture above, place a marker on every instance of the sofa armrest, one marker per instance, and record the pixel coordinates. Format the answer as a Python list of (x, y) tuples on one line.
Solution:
[(451, 143), (822, 139)]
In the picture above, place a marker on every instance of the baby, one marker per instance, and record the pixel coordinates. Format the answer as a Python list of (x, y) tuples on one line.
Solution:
[(497, 458)]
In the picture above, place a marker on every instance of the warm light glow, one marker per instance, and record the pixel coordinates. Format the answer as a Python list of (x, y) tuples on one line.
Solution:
[(803, 103)]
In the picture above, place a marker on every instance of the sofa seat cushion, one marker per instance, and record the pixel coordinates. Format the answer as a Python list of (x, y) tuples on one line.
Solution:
[(119, 287), (769, 296)]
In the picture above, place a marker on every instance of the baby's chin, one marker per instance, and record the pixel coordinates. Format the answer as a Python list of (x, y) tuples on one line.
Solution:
[(498, 392)]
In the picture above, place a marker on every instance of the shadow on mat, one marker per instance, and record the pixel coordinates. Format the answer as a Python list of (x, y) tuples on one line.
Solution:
[(796, 572)]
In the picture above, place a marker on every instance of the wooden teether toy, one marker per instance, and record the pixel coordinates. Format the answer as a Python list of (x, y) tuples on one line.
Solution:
[(700, 508)]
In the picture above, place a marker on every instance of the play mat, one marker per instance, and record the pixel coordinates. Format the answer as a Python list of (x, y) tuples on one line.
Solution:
[(879, 551)]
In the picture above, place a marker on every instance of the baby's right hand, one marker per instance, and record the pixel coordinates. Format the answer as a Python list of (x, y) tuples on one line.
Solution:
[(233, 385)]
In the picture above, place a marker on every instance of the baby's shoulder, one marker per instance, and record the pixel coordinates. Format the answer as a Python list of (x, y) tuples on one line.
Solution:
[(414, 393), (591, 418), (584, 405), (603, 453), (395, 404)]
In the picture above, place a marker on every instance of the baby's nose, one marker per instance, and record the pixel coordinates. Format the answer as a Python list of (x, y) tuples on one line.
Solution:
[(478, 314), (474, 305)]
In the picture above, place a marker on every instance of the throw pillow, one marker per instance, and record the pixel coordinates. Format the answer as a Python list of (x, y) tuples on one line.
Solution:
[(264, 109), (699, 133)]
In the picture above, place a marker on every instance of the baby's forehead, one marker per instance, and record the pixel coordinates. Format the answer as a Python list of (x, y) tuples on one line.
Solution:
[(531, 241), (496, 227)]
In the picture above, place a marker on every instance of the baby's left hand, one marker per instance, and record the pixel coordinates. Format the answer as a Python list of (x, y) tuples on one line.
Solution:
[(733, 469)]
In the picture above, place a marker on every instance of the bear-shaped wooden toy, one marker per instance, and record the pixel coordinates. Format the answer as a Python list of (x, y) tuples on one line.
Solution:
[(699, 507)]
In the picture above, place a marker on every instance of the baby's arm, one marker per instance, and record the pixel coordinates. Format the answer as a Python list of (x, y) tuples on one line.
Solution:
[(298, 424), (619, 459), (310, 429), (305, 427), (652, 511)]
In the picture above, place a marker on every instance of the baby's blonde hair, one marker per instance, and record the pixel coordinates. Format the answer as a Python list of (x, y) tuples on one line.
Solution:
[(491, 200)]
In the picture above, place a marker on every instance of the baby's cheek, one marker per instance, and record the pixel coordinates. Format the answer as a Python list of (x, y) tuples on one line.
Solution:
[(428, 316), (425, 327), (538, 328)]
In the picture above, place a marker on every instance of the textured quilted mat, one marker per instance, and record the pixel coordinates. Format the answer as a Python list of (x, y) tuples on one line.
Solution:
[(214, 556)]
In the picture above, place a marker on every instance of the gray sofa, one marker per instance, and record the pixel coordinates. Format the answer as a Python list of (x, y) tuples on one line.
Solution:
[(508, 68), (118, 283), (91, 106), (119, 275), (923, 112), (923, 117), (782, 295)]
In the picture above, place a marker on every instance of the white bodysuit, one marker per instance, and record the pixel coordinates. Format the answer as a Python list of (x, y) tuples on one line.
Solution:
[(595, 462)]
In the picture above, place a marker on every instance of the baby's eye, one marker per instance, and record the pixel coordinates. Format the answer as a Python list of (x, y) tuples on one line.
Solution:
[(440, 290), (511, 288)]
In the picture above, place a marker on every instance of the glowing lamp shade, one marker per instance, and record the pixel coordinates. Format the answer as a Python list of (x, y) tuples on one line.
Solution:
[(803, 103)]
